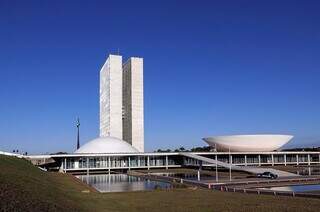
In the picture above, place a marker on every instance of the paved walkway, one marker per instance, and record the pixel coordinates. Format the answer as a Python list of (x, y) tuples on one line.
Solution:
[(249, 169)]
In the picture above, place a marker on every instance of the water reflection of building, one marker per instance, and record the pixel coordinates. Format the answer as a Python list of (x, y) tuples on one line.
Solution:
[(119, 182)]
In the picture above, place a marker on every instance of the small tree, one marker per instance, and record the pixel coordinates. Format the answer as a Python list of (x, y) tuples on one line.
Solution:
[(182, 149)]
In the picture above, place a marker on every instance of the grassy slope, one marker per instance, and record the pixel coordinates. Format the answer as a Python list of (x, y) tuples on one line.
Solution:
[(26, 188)]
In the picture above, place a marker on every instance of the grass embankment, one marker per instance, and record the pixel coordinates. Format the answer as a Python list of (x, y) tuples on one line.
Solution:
[(24, 187)]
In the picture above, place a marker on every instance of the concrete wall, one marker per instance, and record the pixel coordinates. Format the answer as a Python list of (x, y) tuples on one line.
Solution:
[(133, 120), (126, 101), (111, 97)]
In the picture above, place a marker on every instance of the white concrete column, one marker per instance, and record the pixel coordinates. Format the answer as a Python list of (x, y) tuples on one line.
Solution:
[(148, 162), (65, 165), (259, 160), (297, 159), (285, 159), (109, 164), (272, 159), (309, 159), (61, 167), (87, 166), (245, 160), (129, 161), (167, 163), (230, 159), (139, 158), (76, 164)]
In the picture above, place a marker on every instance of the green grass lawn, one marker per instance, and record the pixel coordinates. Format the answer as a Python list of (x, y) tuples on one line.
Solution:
[(24, 187)]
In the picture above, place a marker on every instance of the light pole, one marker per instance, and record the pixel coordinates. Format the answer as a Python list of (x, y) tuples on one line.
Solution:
[(229, 165), (216, 167), (78, 135)]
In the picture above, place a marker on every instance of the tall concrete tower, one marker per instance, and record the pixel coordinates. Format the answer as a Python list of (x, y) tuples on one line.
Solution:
[(133, 118), (111, 97), (121, 100)]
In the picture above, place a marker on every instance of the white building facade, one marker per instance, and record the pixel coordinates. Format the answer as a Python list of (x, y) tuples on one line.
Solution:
[(133, 119), (121, 100), (111, 97)]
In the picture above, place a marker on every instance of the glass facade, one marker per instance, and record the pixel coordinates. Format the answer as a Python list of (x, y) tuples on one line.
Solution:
[(161, 161)]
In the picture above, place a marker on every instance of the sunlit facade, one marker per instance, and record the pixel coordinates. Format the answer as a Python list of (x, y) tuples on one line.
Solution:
[(248, 143)]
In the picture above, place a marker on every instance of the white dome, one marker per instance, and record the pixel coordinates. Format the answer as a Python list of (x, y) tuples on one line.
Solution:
[(254, 143), (106, 145)]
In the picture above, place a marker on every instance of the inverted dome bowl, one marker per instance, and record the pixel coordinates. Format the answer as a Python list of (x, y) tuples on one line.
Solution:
[(248, 143)]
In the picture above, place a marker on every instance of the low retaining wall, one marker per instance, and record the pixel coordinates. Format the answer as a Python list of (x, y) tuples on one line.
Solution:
[(263, 183), (267, 192)]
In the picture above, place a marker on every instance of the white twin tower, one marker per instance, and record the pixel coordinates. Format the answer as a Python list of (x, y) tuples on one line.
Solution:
[(121, 100)]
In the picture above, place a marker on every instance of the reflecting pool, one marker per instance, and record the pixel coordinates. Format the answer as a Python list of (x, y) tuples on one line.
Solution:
[(187, 176), (296, 188), (120, 183)]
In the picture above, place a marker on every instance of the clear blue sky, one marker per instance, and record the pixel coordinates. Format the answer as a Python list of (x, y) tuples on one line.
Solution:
[(211, 68)]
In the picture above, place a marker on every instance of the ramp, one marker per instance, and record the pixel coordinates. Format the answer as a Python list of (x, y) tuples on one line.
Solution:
[(252, 170)]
